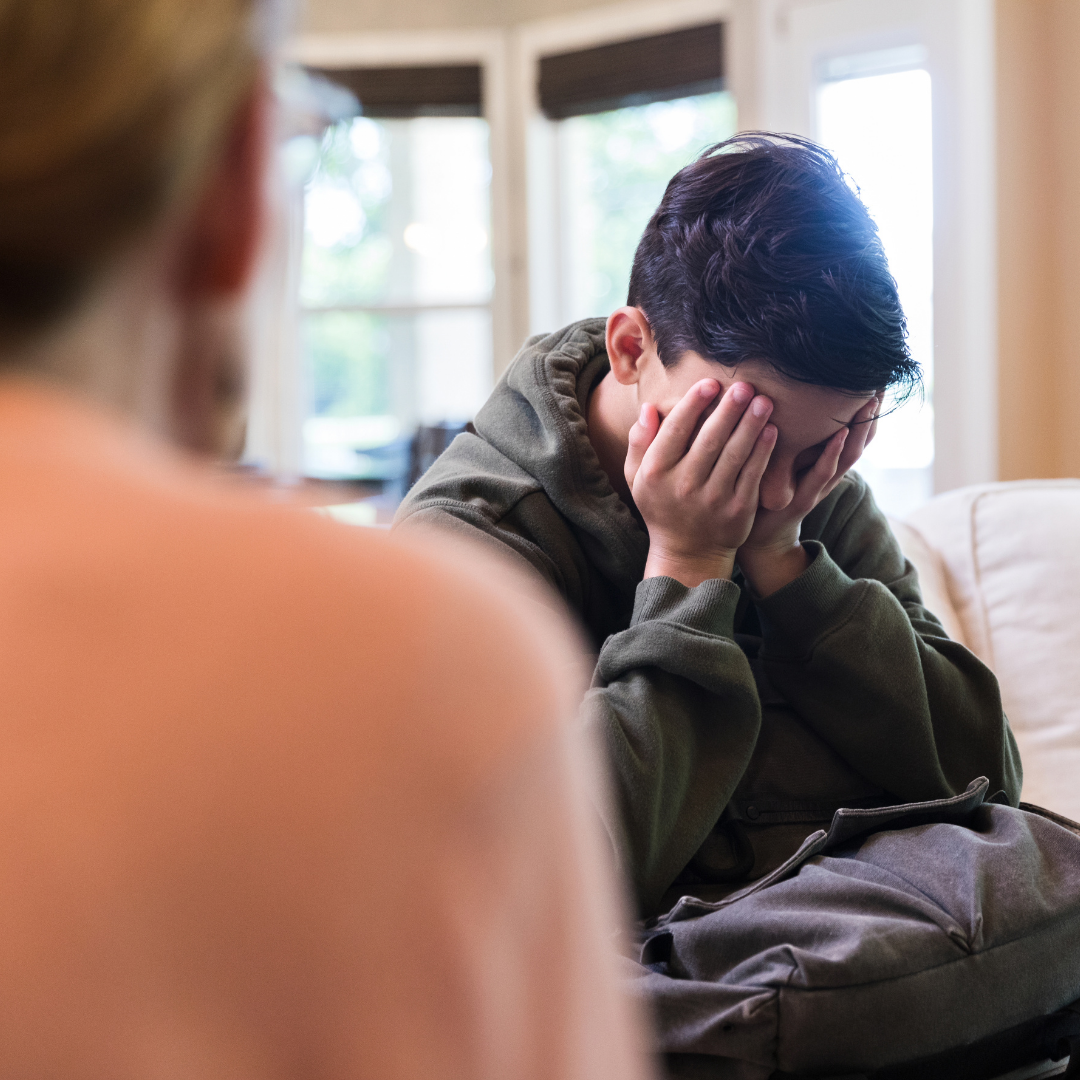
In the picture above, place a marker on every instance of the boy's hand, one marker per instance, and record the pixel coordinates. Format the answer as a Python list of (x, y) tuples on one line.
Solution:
[(698, 493), (772, 556)]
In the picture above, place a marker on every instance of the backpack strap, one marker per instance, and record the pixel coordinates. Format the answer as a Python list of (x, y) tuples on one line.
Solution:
[(848, 824)]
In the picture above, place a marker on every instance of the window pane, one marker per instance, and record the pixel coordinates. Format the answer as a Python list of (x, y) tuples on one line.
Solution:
[(453, 365), (375, 378), (879, 127), (398, 212), (397, 220), (347, 355), (614, 167)]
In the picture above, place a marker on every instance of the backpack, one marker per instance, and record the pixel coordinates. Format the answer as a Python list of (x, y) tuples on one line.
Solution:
[(904, 943)]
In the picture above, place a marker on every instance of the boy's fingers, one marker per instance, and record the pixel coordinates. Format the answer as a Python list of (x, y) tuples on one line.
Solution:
[(718, 430), (825, 473), (875, 412), (871, 431), (853, 448), (746, 487), (641, 437), (875, 407), (670, 445), (737, 449), (862, 430)]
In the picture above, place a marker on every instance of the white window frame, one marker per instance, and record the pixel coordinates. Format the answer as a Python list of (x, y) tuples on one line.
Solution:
[(958, 36), (275, 424), (276, 397)]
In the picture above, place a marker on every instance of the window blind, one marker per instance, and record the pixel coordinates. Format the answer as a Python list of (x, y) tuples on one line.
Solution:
[(634, 72), (401, 92)]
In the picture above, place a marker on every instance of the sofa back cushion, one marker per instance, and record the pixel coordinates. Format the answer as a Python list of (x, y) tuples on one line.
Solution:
[(933, 579), (1011, 559)]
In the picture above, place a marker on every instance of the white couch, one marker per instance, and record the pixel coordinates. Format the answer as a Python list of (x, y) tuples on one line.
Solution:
[(999, 564)]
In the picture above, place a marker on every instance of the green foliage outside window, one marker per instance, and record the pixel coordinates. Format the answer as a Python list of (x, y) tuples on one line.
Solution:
[(349, 352), (348, 247), (616, 167), (347, 260)]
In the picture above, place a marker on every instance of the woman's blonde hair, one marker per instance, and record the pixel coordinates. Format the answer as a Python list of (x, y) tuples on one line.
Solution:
[(109, 112)]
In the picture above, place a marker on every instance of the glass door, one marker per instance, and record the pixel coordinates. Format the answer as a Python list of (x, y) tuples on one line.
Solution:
[(873, 111)]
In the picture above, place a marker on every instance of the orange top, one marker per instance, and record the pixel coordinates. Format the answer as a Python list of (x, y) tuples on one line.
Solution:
[(279, 797)]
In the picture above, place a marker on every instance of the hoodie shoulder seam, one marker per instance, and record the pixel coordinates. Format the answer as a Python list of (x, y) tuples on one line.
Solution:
[(481, 518), (473, 509)]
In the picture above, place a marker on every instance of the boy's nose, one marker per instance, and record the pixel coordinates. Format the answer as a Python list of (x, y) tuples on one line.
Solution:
[(777, 488)]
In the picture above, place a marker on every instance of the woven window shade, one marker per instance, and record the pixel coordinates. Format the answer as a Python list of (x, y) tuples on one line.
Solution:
[(403, 92), (634, 72)]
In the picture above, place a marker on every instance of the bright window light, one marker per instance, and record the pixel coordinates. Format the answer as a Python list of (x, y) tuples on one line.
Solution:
[(614, 167), (396, 289), (879, 128)]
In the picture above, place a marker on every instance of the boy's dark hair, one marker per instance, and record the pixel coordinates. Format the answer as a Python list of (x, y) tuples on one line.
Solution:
[(760, 249)]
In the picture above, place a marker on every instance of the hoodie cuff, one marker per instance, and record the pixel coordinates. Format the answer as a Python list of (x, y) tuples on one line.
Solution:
[(796, 617), (708, 607)]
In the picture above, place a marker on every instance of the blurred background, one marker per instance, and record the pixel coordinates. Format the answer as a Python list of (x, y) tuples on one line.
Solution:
[(489, 165)]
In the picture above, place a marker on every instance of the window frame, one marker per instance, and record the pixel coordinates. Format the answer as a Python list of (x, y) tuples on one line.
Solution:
[(275, 438), (959, 41)]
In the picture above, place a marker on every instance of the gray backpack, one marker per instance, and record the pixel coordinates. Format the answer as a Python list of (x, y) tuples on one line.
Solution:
[(922, 940)]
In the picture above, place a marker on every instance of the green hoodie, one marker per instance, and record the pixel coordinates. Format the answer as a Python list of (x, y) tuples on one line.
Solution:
[(733, 725)]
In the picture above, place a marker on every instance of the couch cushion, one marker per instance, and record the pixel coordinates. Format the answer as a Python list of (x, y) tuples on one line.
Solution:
[(933, 582), (1011, 557)]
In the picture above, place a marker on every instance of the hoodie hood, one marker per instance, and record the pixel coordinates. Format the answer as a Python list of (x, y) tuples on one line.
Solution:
[(545, 393)]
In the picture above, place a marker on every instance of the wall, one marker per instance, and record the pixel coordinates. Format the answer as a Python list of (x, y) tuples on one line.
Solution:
[(323, 16), (1038, 162)]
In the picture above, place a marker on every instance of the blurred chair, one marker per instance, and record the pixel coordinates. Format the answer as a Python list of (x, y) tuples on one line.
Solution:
[(428, 443)]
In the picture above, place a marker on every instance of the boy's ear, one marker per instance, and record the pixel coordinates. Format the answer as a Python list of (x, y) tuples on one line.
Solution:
[(630, 344)]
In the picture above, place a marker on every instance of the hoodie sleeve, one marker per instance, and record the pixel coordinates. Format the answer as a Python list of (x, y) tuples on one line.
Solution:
[(850, 646), (675, 704)]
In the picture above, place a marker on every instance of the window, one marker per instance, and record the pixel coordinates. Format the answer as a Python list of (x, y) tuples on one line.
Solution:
[(873, 112), (396, 281), (627, 116), (613, 169)]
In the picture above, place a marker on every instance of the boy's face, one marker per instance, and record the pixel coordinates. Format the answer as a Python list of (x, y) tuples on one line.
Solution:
[(806, 417)]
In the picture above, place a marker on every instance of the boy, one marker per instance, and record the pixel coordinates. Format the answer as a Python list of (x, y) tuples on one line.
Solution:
[(681, 476)]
